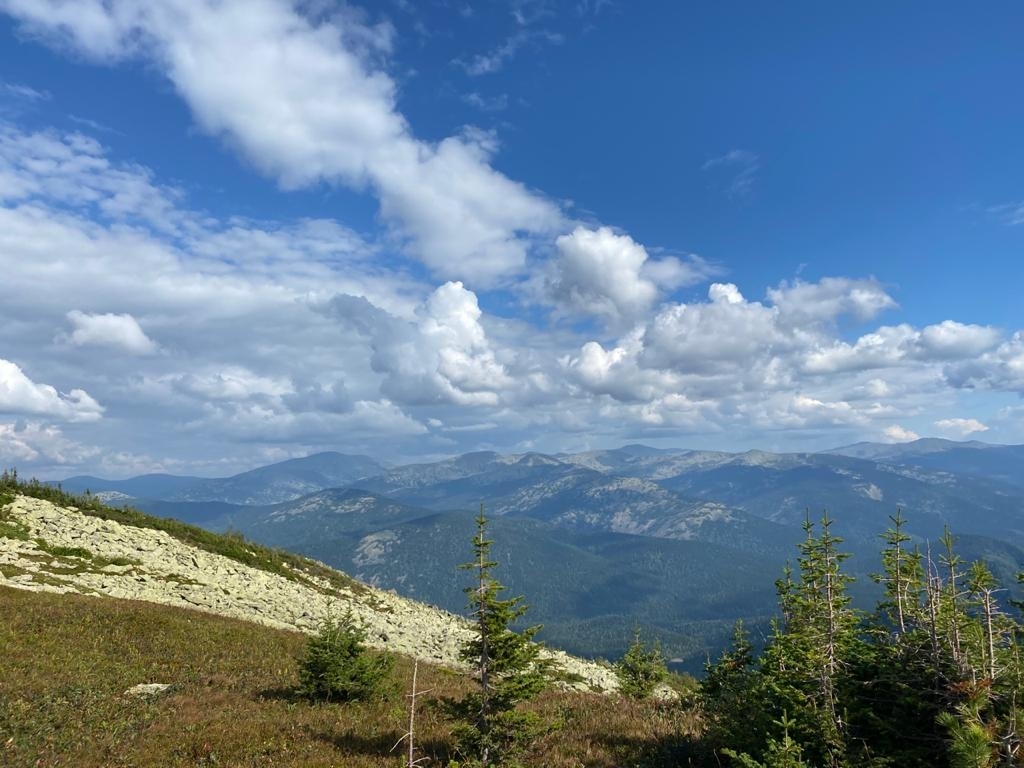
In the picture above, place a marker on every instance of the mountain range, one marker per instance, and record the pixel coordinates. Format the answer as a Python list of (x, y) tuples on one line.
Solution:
[(679, 542)]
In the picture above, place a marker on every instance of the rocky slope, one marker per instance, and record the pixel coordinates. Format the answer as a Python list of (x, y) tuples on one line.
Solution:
[(67, 551)]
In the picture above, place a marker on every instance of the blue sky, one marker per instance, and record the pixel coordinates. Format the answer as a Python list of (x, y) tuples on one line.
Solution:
[(234, 232)]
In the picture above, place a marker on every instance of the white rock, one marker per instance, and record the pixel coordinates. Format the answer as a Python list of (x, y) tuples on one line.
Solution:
[(147, 689), (228, 588)]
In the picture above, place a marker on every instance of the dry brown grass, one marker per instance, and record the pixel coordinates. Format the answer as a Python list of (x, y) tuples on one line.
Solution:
[(66, 659)]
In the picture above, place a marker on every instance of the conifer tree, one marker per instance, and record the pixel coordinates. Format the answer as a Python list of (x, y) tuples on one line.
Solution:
[(506, 665), (641, 669), (903, 578), (802, 672), (933, 679)]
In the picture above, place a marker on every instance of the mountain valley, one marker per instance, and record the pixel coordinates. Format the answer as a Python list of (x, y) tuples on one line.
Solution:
[(681, 543)]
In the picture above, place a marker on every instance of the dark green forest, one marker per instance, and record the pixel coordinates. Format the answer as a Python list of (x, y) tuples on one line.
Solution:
[(932, 677)]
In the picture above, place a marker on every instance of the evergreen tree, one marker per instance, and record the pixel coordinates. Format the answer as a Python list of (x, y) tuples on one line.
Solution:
[(336, 665), (896, 686), (732, 694), (506, 664), (641, 668), (931, 680), (787, 709), (808, 657), (903, 578)]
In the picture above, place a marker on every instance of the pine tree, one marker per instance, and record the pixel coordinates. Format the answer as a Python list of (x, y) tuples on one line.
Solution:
[(903, 577), (641, 669), (507, 666), (733, 698), (805, 666)]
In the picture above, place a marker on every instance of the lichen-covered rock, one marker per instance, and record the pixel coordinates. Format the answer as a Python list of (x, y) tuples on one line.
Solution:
[(168, 571)]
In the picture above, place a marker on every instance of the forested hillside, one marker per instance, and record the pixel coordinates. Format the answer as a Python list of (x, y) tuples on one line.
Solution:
[(931, 676)]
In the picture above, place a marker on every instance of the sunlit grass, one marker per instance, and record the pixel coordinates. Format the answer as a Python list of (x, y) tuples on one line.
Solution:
[(67, 660)]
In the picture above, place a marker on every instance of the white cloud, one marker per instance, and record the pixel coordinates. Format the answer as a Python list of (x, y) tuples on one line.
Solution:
[(893, 346), (73, 169), (20, 395), (1001, 368), (825, 301), (884, 348), (305, 102), (42, 445), (443, 356), (961, 427), (366, 422), (605, 274), (598, 273), (730, 361), (950, 340), (721, 335), (283, 337), (233, 383), (898, 434), (110, 330)]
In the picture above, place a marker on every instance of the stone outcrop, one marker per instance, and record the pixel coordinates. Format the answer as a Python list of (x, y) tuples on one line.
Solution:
[(145, 564)]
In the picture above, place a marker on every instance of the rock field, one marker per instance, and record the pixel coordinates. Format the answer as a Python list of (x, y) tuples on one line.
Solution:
[(162, 569)]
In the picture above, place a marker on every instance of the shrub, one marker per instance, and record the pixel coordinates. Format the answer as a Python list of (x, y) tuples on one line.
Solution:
[(336, 665), (641, 669)]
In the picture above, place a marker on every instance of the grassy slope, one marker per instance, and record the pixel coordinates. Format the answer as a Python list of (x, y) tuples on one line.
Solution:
[(68, 658)]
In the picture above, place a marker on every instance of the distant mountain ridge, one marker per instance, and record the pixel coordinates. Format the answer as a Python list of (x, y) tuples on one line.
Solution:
[(988, 460), (271, 484), (684, 542)]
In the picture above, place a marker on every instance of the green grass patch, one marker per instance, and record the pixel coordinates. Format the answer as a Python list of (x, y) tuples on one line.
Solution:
[(14, 529), (58, 551), (9, 570), (69, 658), (9, 527)]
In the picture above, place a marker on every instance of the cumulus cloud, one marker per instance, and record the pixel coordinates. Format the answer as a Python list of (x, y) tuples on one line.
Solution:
[(898, 434), (730, 360), (801, 302), (891, 346), (109, 330), (1000, 368), (950, 340), (722, 334), (233, 383), (961, 427), (443, 355), (605, 274), (305, 104), (367, 421), (282, 337), (598, 272), (20, 395), (40, 444)]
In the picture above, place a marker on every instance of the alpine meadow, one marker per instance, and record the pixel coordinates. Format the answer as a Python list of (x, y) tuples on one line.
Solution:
[(511, 384)]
